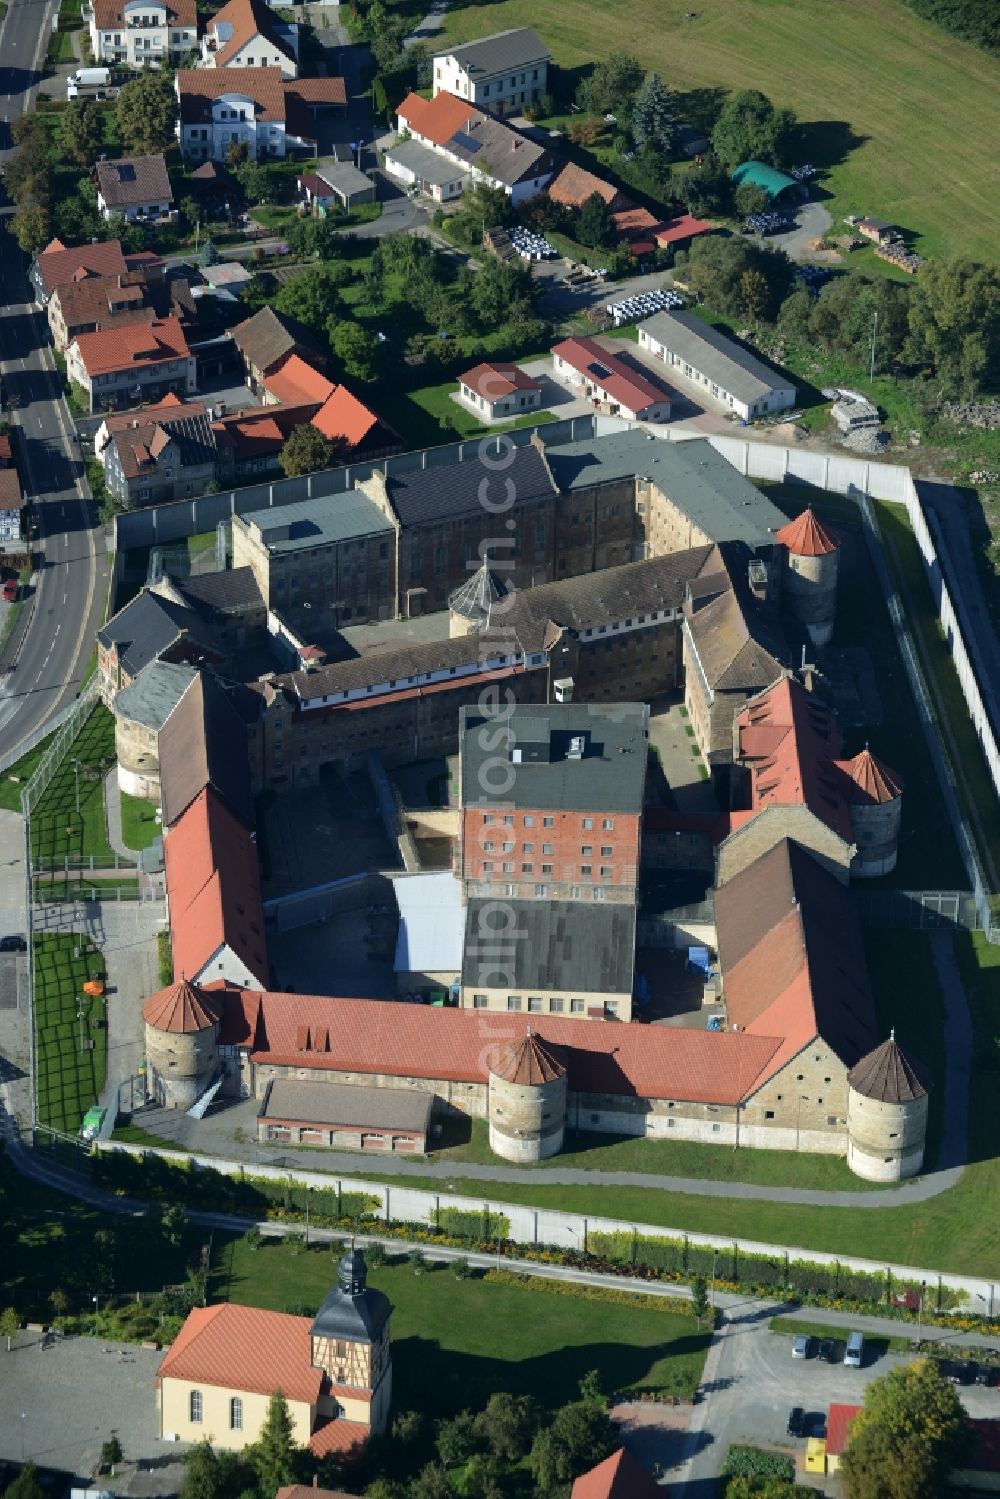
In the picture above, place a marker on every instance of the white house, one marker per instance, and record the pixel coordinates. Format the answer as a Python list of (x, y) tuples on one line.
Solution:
[(494, 391), (504, 73), (119, 367), (249, 34), (256, 106), (137, 186), (619, 388), (726, 374), (427, 169), (487, 149), (142, 33)]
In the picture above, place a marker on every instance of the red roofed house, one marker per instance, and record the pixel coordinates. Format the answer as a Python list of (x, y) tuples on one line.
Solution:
[(141, 33), (258, 107), (120, 367), (93, 304), (213, 895), (678, 233), (638, 227), (573, 185), (484, 147), (248, 34), (216, 1379), (615, 387), (620, 1476), (494, 391), (55, 265), (981, 1472), (248, 443), (356, 431), (296, 382)]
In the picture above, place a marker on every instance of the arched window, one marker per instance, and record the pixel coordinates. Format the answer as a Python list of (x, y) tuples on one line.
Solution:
[(236, 1414), (195, 1405)]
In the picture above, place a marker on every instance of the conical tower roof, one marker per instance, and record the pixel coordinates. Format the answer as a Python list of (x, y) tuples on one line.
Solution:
[(526, 1061), (474, 598), (181, 1009), (808, 537), (888, 1075), (873, 780)]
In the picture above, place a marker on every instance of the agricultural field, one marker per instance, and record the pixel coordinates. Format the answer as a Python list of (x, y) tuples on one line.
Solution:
[(897, 113)]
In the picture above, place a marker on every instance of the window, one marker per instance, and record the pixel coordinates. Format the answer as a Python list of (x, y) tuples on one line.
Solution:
[(507, 848), (555, 1006), (606, 871), (768, 1113), (546, 869), (576, 1006), (529, 848), (488, 819), (546, 848), (831, 1118), (513, 1001), (488, 846), (586, 870), (541, 891), (194, 1407), (548, 822), (606, 850), (236, 1414), (487, 866), (527, 869), (529, 822), (588, 823), (598, 892), (508, 821), (534, 1004), (508, 869), (586, 850)]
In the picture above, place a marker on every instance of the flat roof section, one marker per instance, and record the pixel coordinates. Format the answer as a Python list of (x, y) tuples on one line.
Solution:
[(318, 522), (552, 946)]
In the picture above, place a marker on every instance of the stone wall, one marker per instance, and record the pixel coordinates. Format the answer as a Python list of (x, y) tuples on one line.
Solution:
[(773, 823)]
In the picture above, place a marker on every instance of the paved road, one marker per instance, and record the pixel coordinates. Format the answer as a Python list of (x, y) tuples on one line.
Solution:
[(69, 588)]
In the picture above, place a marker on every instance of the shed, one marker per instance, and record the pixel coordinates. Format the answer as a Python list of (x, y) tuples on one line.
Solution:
[(347, 184), (431, 929), (777, 185)]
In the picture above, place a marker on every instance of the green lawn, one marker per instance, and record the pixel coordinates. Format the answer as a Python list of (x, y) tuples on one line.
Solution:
[(118, 887), (69, 1079), (896, 111), (12, 781), (139, 825), (429, 415), (455, 1342), (69, 821)]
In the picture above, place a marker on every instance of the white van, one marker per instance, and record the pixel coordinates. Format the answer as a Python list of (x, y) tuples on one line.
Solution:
[(855, 1351), (88, 83)]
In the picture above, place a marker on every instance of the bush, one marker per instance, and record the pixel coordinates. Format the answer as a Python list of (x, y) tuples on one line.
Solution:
[(751, 1462), (374, 1253), (460, 1269)]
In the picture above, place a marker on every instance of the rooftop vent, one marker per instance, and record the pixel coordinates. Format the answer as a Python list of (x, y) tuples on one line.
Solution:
[(576, 747)]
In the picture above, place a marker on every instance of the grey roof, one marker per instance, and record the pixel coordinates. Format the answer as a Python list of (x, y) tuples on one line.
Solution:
[(351, 1311), (388, 664), (428, 165), (145, 627), (234, 590), (318, 522), (268, 336), (442, 491), (717, 357), (697, 479), (154, 694), (349, 1105), (889, 1075), (204, 743), (562, 945), (474, 598), (609, 777), (492, 146), (344, 177), (515, 48), (132, 180)]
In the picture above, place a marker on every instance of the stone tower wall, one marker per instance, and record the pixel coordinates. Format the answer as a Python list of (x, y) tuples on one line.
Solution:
[(885, 1141), (527, 1122), (180, 1067), (876, 833), (811, 592)]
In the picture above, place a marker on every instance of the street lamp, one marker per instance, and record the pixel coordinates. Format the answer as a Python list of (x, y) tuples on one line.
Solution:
[(712, 1296), (920, 1306), (76, 783)]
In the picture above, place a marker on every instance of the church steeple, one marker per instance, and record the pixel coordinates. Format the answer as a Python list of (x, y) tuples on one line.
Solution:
[(352, 1272)]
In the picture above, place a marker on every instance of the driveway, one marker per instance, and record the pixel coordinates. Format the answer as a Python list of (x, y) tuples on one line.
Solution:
[(811, 222)]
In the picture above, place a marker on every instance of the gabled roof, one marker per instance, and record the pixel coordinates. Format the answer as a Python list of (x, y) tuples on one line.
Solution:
[(788, 741), (620, 1476), (109, 15), (479, 140), (244, 1348), (133, 180), (192, 436), (203, 743), (888, 1075), (839, 1421), (296, 382), (733, 656), (239, 22), (198, 88), (526, 1062), (105, 301), (684, 226), (606, 370), (56, 264), (154, 694), (135, 346), (147, 626), (236, 589), (514, 48), (454, 489), (213, 888), (719, 358), (806, 536), (267, 337), (181, 1009), (494, 381), (345, 420), (573, 185)]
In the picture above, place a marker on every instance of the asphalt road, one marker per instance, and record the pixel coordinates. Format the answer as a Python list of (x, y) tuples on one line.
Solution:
[(70, 582)]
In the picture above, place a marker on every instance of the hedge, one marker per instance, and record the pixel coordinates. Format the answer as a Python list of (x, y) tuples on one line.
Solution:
[(463, 1224), (676, 1306), (753, 1462)]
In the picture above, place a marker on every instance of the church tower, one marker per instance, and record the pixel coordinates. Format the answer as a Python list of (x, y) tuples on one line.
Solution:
[(350, 1343)]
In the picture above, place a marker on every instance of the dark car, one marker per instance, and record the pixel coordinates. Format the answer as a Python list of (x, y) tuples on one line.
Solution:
[(15, 943), (815, 1424), (828, 1351), (987, 1374), (796, 1422), (957, 1372)]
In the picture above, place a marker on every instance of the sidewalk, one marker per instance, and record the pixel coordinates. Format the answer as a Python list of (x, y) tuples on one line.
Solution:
[(113, 814)]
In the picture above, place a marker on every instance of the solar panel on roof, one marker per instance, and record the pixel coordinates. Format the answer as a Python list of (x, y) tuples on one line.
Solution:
[(126, 172), (460, 138), (599, 370)]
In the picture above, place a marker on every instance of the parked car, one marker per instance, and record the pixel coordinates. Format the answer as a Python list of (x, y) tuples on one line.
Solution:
[(802, 1347), (796, 1422), (828, 1351), (10, 591), (987, 1374), (854, 1353), (14, 943), (815, 1424)]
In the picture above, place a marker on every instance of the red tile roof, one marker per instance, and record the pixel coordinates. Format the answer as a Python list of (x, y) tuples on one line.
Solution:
[(872, 780), (685, 226), (57, 265), (244, 1348), (171, 406), (199, 87), (494, 381), (621, 382), (838, 1428), (437, 119), (789, 741), (213, 887), (808, 537), (134, 346), (297, 382), (260, 431), (109, 14), (10, 489), (379, 1036), (246, 20), (345, 1437), (5, 452), (574, 185), (633, 222), (344, 419), (620, 1476), (181, 1010)]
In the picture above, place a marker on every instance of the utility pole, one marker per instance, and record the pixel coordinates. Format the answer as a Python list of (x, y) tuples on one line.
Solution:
[(871, 369)]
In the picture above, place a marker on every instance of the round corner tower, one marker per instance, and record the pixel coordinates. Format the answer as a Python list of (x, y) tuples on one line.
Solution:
[(812, 562), (471, 604), (526, 1102), (182, 1053), (876, 806), (886, 1115)]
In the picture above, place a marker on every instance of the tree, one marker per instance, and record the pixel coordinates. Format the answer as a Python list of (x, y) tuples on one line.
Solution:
[(483, 1478), (209, 254), (749, 128), (201, 1473), (306, 451), (311, 296), (256, 182), (613, 85), (10, 1324), (754, 296), (32, 228), (459, 1438), (954, 320), (26, 1485), (80, 132), (111, 1453), (273, 1453), (578, 1437), (173, 1221), (595, 226), (654, 118), (146, 113), (715, 267), (58, 1301), (750, 198), (699, 1297), (498, 288), (911, 1431), (432, 1482), (707, 187), (237, 154), (354, 348), (509, 1422)]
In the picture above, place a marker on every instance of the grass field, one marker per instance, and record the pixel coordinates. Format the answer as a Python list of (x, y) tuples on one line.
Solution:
[(898, 112), (12, 781), (139, 825), (69, 1080), (455, 1342), (793, 1327), (417, 413), (64, 826)]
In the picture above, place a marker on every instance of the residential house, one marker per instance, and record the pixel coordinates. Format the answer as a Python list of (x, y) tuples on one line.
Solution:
[(424, 168), (123, 366), (248, 443), (55, 265), (141, 33), (357, 432), (157, 459), (10, 496), (249, 34), (722, 371), (268, 338), (93, 304), (573, 186), (256, 107), (619, 1476), (505, 73), (489, 150), (678, 232), (151, 628), (494, 391), (612, 383), (136, 186), (294, 382)]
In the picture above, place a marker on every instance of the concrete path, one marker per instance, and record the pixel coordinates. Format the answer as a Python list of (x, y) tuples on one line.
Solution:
[(954, 1148), (427, 29), (113, 814)]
